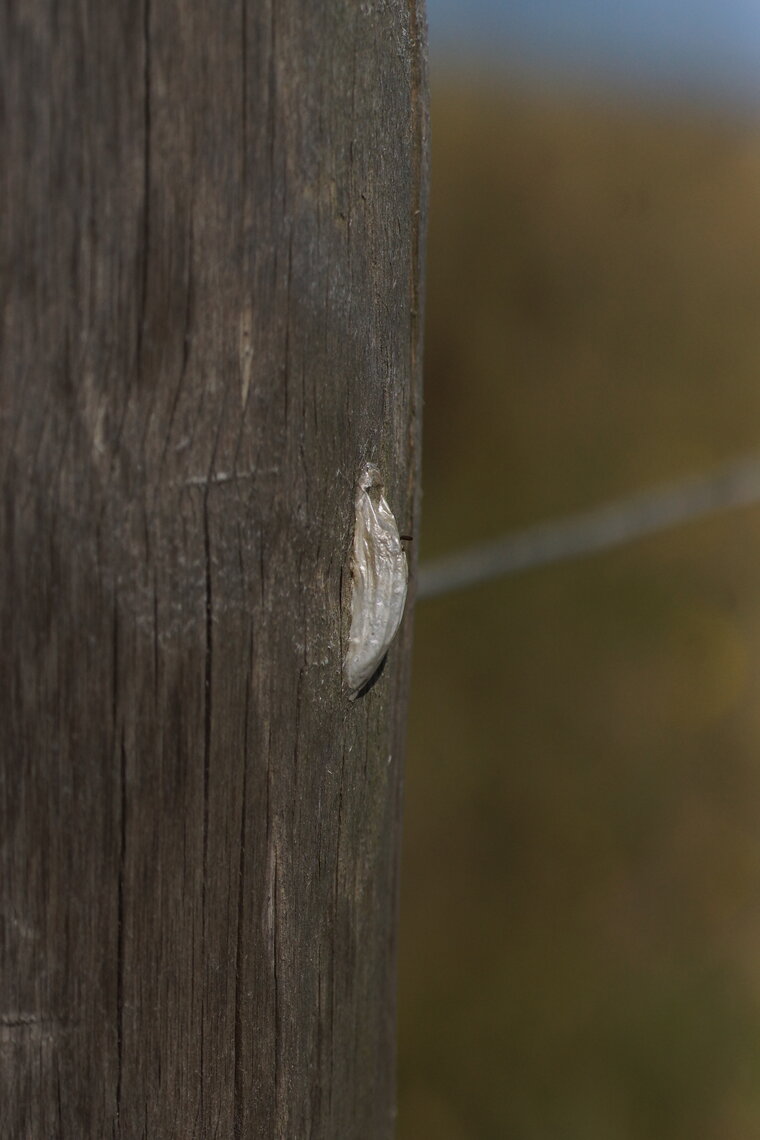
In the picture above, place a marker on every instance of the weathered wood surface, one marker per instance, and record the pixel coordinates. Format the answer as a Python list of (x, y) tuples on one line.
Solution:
[(211, 221)]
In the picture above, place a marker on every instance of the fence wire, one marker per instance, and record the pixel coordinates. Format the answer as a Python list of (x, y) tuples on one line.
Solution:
[(737, 484)]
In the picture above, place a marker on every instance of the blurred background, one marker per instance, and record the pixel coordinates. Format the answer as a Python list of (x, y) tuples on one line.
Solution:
[(580, 932)]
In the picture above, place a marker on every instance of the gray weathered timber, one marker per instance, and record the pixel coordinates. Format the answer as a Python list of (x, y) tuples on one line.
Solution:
[(211, 235)]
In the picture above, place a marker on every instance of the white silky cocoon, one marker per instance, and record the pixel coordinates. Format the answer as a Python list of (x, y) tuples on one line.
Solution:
[(379, 581)]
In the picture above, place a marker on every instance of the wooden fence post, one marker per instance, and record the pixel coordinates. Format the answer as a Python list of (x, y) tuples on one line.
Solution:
[(212, 221)]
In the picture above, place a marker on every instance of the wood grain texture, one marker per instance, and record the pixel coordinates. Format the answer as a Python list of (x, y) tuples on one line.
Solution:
[(211, 223)]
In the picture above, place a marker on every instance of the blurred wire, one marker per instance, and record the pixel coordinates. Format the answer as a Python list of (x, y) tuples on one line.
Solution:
[(735, 485)]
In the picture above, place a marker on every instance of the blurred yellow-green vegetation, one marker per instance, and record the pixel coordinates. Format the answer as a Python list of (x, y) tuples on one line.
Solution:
[(580, 934)]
